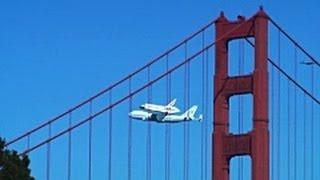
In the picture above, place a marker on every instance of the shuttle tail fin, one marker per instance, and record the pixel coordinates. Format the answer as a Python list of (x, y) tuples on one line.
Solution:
[(172, 103)]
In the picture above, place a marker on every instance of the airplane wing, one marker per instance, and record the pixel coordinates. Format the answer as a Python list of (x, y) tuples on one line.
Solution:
[(159, 116)]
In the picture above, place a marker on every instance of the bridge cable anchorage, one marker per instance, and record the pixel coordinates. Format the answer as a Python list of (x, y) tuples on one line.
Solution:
[(69, 147), (38, 145), (111, 105), (295, 115), (107, 89), (294, 42), (130, 133), (90, 143), (148, 144)]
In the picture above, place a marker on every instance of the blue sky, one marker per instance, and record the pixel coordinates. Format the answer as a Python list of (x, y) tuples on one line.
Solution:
[(56, 53)]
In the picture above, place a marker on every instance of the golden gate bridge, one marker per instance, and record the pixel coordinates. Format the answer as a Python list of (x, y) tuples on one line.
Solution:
[(255, 85)]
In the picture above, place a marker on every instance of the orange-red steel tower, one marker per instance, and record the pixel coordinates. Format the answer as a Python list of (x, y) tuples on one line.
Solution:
[(255, 143)]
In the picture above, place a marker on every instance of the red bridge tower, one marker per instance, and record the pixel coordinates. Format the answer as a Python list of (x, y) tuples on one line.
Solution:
[(256, 142)]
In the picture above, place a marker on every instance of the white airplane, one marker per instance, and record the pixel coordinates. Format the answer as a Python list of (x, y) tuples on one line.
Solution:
[(166, 118), (307, 62), (168, 109)]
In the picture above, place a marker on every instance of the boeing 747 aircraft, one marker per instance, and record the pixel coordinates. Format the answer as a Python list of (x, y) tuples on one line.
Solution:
[(160, 117)]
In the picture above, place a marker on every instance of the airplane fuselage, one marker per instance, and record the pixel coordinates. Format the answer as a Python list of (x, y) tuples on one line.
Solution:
[(146, 116), (159, 108)]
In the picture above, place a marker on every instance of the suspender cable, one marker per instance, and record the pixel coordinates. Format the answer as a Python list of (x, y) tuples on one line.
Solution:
[(110, 138), (206, 114), (295, 116), (90, 143), (148, 158), (304, 136), (273, 172), (297, 45), (167, 128), (203, 108), (279, 109), (186, 125), (116, 103), (48, 152), (69, 146), (312, 122), (289, 129), (130, 133)]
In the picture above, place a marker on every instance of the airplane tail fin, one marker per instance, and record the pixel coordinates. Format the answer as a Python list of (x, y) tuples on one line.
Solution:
[(189, 114), (172, 103)]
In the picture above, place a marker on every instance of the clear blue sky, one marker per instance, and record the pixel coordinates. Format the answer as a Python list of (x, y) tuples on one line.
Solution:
[(53, 54)]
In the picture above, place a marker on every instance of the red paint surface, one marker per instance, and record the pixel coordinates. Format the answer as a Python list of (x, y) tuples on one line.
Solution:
[(256, 142)]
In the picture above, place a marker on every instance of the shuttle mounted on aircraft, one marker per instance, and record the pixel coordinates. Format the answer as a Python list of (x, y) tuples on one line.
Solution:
[(164, 114)]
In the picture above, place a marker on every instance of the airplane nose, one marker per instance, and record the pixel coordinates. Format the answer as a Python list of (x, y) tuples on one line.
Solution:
[(142, 106)]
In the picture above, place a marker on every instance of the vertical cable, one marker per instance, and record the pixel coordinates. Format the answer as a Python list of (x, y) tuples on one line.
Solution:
[(295, 116), (90, 143), (186, 125), (148, 158), (206, 114), (272, 123), (304, 136), (49, 152), (69, 146), (289, 129), (312, 122), (279, 109), (203, 108), (130, 133), (167, 128), (110, 138)]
